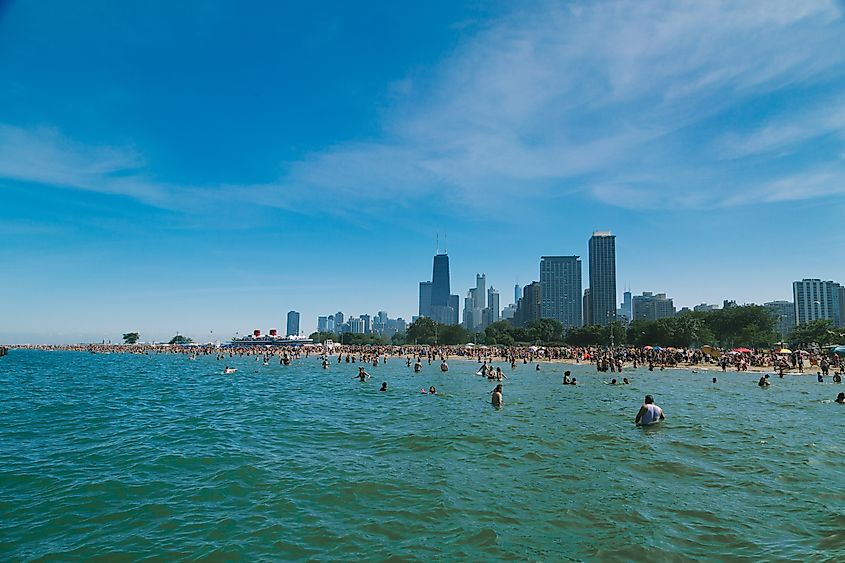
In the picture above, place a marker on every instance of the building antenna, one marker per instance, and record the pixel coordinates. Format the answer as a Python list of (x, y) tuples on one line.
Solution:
[(446, 244), (437, 249)]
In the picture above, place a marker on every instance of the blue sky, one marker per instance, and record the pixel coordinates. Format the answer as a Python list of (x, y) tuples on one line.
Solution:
[(207, 166)]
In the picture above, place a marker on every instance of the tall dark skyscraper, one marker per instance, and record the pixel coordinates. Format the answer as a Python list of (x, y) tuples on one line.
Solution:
[(528, 308), (443, 307), (440, 289), (602, 278), (293, 323), (560, 282)]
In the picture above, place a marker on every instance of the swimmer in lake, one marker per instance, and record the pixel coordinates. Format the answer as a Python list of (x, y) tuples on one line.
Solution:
[(497, 398), (444, 367), (840, 398), (625, 381), (362, 375), (229, 370), (764, 381), (417, 367), (649, 413), (383, 386), (432, 390), (566, 380)]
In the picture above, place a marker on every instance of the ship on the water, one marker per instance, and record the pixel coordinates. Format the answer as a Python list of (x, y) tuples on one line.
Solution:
[(270, 339)]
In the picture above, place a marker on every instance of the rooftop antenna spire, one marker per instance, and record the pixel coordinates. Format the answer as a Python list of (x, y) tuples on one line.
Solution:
[(437, 249), (446, 244)]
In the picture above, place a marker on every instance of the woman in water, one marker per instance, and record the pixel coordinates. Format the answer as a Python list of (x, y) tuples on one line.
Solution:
[(840, 398)]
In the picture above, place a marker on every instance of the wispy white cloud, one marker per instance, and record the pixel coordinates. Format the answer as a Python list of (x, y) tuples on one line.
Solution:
[(592, 94), (595, 97), (44, 156)]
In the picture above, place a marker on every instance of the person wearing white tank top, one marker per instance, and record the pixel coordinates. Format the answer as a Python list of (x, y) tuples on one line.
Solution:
[(649, 413)]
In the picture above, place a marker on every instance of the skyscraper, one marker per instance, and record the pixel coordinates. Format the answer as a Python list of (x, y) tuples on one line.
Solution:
[(425, 299), (436, 299), (516, 294), (816, 299), (440, 288), (293, 323), (528, 307), (603, 277), (480, 290), (627, 305), (560, 282), (493, 305), (587, 308)]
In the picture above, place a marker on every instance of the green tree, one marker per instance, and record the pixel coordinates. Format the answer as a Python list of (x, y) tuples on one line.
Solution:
[(589, 335), (398, 339), (748, 325), (180, 340), (131, 338), (500, 332), (546, 330), (452, 334), (321, 337), (421, 331), (821, 332)]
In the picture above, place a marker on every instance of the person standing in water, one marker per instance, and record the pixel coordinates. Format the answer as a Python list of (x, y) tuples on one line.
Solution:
[(362, 375), (649, 413), (497, 398)]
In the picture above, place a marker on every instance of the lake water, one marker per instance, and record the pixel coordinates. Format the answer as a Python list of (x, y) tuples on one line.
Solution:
[(125, 457)]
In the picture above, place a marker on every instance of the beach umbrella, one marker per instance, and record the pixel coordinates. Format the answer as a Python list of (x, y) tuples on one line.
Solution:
[(784, 351), (647, 348), (658, 348), (839, 351), (741, 350), (710, 351)]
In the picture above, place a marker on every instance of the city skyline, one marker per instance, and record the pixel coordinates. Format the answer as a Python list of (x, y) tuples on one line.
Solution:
[(307, 161)]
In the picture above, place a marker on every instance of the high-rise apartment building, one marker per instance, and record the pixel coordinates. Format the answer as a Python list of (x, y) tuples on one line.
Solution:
[(816, 299), (322, 324), (293, 323), (784, 315), (560, 282), (651, 307), (602, 277)]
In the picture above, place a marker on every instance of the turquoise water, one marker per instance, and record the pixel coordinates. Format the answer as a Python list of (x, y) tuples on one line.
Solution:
[(126, 457)]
